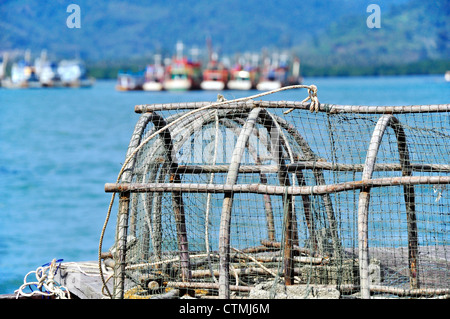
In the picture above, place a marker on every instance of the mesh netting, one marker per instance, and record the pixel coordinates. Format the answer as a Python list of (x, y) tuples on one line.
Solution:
[(243, 199)]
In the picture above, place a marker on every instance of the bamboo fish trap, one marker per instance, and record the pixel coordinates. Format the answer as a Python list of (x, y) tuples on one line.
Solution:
[(221, 199)]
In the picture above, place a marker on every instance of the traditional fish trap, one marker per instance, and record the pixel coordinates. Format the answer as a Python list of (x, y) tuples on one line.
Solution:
[(239, 198)]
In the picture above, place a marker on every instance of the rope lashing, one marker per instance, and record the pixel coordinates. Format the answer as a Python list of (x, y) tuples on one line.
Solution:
[(45, 283), (312, 95)]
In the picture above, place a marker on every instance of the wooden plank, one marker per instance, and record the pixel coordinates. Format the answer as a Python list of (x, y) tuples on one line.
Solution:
[(82, 279)]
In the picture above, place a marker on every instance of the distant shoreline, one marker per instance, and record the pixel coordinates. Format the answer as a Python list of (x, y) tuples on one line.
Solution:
[(425, 67)]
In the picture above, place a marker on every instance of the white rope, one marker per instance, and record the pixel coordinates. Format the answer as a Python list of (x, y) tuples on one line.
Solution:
[(45, 283)]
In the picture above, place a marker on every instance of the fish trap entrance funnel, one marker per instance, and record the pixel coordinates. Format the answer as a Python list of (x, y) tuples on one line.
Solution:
[(222, 201)]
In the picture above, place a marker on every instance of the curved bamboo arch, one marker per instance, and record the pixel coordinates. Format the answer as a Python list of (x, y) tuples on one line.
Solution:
[(364, 199), (225, 219), (159, 123), (124, 204)]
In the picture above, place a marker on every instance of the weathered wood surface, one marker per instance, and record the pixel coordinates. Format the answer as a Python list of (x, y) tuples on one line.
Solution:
[(83, 280)]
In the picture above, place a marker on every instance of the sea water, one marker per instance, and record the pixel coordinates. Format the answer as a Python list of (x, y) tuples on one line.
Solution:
[(58, 147)]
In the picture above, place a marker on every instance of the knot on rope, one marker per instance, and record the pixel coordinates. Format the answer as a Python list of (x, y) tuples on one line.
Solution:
[(312, 95)]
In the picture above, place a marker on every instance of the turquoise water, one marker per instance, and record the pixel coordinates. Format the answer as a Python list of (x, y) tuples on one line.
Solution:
[(58, 147)]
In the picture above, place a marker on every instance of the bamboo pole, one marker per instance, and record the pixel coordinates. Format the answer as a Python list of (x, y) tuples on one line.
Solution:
[(283, 177), (205, 285), (121, 242), (267, 208), (331, 108), (295, 167), (273, 244), (225, 220), (410, 292), (309, 217), (177, 200), (277, 134), (208, 199), (263, 178), (276, 190), (123, 222), (408, 190), (363, 206)]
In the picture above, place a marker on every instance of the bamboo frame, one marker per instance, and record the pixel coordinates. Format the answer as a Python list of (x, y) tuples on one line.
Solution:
[(275, 124), (364, 198)]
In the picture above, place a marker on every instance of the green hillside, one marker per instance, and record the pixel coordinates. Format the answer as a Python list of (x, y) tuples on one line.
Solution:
[(330, 36), (413, 38)]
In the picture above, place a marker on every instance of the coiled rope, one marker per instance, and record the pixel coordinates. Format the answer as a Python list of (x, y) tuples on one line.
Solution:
[(45, 283), (314, 107)]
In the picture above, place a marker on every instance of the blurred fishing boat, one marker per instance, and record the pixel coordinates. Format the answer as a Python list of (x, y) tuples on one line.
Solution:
[(243, 78), (447, 76), (154, 76), (182, 73), (3, 63), (73, 74), (294, 76), (48, 75), (245, 73), (215, 76), (270, 80), (47, 71), (274, 72), (129, 81), (240, 80), (23, 75)]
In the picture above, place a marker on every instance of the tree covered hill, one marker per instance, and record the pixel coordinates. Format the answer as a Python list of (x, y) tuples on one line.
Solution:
[(117, 29), (325, 33), (411, 32)]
